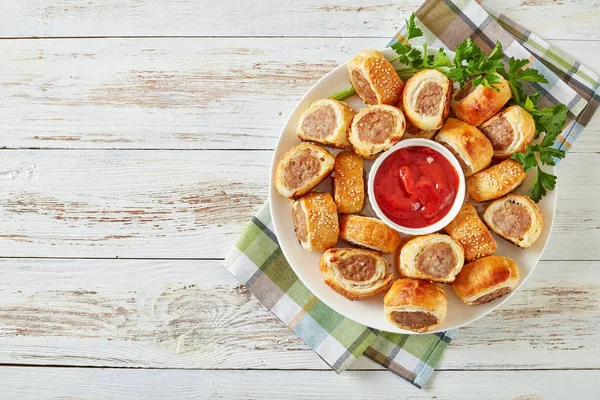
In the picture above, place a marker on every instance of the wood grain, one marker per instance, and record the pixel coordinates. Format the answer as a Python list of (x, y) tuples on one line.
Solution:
[(19, 383), (173, 93), (182, 204), (566, 19), (194, 314)]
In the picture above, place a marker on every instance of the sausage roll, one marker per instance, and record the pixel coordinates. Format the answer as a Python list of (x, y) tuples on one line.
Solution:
[(369, 232), (468, 230), (496, 181), (348, 183), (374, 78), (486, 279), (415, 305), (471, 148), (355, 273), (509, 131), (376, 129), (316, 221), (516, 218), (426, 99), (411, 131), (433, 257), (475, 104), (302, 168), (326, 121)]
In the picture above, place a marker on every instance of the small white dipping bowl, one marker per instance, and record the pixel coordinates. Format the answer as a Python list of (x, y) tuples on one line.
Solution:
[(458, 201)]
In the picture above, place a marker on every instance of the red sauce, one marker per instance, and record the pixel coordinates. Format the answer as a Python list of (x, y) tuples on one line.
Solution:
[(415, 186)]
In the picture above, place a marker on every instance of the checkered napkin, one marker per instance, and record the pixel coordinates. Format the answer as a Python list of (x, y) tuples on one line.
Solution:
[(257, 260)]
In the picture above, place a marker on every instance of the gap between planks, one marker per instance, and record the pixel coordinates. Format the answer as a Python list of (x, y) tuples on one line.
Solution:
[(558, 39)]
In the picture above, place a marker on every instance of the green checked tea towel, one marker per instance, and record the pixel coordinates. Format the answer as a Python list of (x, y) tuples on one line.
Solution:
[(258, 262)]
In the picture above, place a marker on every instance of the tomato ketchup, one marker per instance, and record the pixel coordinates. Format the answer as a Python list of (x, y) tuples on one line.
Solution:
[(415, 186)]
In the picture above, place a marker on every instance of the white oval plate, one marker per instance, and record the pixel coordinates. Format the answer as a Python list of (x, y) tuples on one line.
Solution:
[(306, 264)]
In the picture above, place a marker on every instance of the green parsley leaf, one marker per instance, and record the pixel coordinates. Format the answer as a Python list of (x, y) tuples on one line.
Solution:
[(412, 31), (527, 159), (542, 183), (551, 121), (548, 154)]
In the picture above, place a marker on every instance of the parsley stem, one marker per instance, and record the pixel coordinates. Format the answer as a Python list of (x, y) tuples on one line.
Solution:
[(344, 94)]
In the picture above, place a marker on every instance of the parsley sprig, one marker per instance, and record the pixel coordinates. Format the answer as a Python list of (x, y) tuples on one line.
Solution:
[(472, 64)]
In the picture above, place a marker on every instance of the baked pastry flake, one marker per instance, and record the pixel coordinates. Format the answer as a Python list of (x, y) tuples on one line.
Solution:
[(486, 279), (316, 221), (516, 218), (368, 232), (348, 182), (468, 230), (496, 181), (509, 131), (426, 99), (327, 122), (376, 129), (471, 148), (434, 257), (356, 274), (476, 104), (415, 305), (302, 168), (374, 78)]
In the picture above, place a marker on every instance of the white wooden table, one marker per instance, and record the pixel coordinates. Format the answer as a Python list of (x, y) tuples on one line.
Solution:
[(135, 141)]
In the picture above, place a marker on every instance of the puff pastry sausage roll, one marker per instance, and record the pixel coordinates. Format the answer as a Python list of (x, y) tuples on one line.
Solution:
[(316, 221), (471, 148), (486, 279), (348, 182), (496, 181), (415, 305), (355, 273), (516, 218), (374, 78), (369, 232), (433, 257), (509, 131), (411, 131), (376, 129), (326, 121), (468, 230), (302, 168), (426, 99), (475, 104)]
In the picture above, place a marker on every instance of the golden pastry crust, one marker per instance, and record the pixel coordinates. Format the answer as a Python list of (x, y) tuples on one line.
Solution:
[(327, 122), (433, 257), (426, 300), (486, 279), (376, 129), (474, 105), (316, 221), (356, 274), (411, 131), (509, 131), (426, 99), (468, 230), (496, 181), (302, 168), (516, 218), (472, 149), (348, 183), (374, 78), (369, 232)]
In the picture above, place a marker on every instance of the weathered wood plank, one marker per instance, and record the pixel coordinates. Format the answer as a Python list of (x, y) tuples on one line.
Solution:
[(569, 19), (178, 204), (194, 314), (19, 383), (172, 93)]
